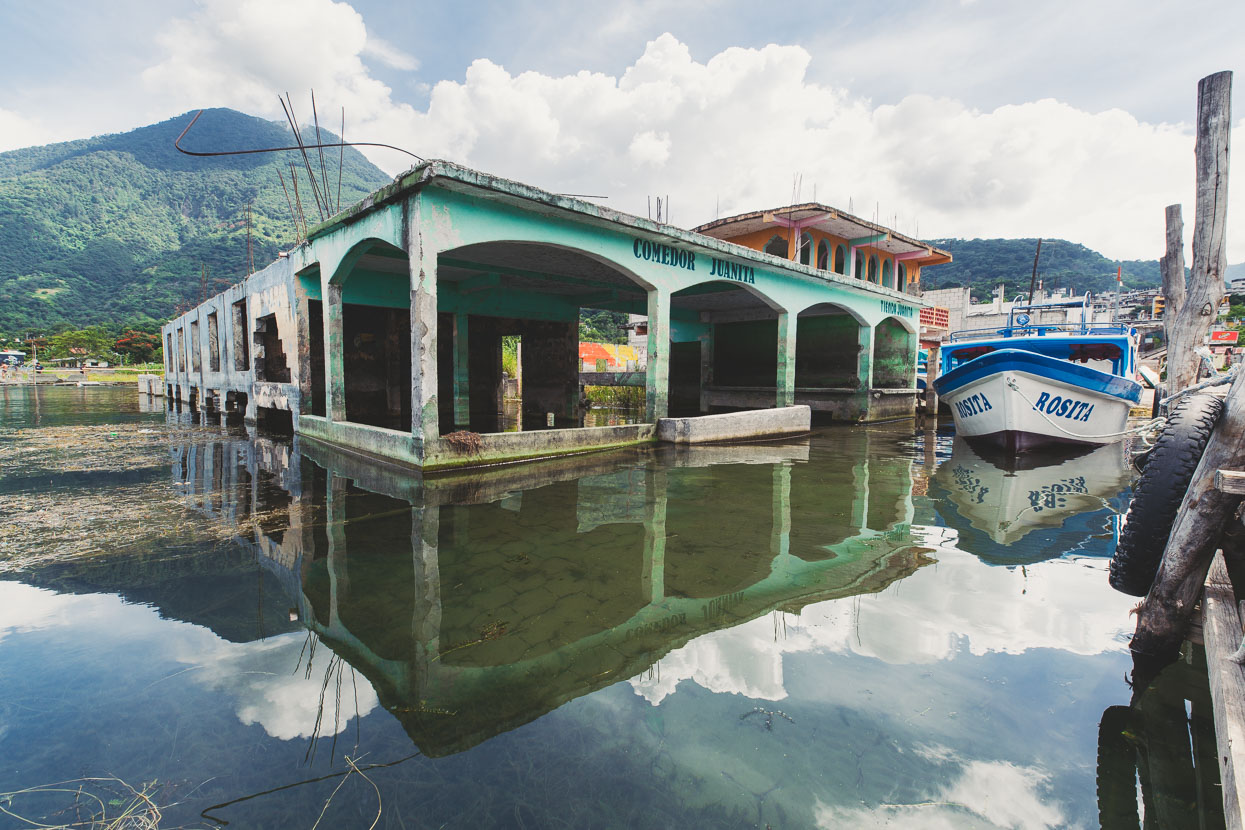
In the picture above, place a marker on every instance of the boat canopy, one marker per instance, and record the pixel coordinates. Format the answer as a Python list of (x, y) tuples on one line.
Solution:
[(1096, 350)]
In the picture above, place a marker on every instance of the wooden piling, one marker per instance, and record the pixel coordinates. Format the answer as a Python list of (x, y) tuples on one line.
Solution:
[(1171, 267), (1222, 632), (1190, 322), (1164, 617)]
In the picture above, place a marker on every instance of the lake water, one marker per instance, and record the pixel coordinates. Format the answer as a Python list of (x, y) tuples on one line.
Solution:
[(871, 627)]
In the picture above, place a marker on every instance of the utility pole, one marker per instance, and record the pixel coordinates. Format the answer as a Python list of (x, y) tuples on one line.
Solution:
[(1033, 279)]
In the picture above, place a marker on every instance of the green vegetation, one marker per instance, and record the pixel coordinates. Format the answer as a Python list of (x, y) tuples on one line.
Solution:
[(116, 230), (629, 396), (599, 326), (510, 355), (984, 264)]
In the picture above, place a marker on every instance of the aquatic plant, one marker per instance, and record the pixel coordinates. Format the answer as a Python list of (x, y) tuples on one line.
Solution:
[(464, 441), (106, 803)]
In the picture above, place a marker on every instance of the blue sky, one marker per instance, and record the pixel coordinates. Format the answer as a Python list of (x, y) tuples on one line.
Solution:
[(956, 118)]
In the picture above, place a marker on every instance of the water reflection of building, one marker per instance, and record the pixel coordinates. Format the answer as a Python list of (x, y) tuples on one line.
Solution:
[(1006, 499), (476, 604)]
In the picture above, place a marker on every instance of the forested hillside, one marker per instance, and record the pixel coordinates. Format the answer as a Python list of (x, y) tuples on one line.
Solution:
[(115, 230), (982, 264)]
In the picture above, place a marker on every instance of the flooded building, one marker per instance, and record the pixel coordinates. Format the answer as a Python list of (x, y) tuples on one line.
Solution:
[(383, 333)]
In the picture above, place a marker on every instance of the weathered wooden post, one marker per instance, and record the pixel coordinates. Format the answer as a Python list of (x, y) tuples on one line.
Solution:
[(1188, 323), (1164, 617), (1171, 267)]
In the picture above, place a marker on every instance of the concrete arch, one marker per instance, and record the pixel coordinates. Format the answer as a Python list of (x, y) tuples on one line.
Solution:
[(751, 289), (608, 261), (908, 323), (894, 354), (810, 311), (778, 246), (346, 263)]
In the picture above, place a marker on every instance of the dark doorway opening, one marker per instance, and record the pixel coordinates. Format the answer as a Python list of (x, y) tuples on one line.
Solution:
[(376, 364), (315, 344)]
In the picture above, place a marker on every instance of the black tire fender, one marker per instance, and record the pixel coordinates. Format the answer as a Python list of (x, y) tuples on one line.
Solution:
[(1168, 470), (1117, 771)]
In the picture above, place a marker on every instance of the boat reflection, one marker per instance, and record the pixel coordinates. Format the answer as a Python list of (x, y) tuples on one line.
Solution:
[(1007, 497), (477, 603)]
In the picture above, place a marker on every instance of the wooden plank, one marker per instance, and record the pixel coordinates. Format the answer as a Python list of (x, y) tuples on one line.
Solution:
[(1230, 481), (1222, 632)]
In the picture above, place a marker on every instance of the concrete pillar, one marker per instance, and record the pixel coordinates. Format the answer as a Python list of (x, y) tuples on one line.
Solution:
[(334, 353), (426, 624), (780, 533), (423, 269), (302, 320), (462, 383), (706, 368), (653, 578), (657, 376), (335, 521), (864, 360), (787, 325)]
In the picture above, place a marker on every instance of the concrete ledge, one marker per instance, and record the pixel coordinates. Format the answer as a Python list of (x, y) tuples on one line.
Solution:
[(612, 378), (151, 385), (387, 443), (735, 426), (504, 447)]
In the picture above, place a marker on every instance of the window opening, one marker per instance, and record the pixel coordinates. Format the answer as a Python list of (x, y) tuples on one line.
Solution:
[(241, 343)]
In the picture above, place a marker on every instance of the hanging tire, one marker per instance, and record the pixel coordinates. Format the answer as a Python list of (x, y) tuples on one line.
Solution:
[(1164, 479), (1117, 771)]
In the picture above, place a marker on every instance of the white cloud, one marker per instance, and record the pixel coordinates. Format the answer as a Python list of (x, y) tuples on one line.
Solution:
[(916, 621), (242, 54), (260, 677), (737, 128), (986, 794), (17, 131), (389, 55), (729, 133)]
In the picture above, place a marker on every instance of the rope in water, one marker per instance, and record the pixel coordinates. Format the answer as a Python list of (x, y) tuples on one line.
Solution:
[(1144, 427)]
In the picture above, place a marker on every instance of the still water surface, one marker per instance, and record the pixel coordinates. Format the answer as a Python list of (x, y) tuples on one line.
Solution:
[(868, 627)]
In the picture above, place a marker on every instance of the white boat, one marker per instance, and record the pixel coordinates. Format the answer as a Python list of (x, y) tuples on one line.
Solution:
[(1008, 497), (1032, 385)]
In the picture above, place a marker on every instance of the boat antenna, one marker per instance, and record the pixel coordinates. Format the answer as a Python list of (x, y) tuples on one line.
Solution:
[(1033, 279)]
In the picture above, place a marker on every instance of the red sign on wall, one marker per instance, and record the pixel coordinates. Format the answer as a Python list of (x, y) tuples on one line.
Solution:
[(1224, 336)]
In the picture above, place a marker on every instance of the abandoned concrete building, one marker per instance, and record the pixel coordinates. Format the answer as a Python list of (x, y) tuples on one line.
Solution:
[(382, 333)]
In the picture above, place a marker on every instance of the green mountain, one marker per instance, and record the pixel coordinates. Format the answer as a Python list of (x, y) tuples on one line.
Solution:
[(982, 264), (116, 230)]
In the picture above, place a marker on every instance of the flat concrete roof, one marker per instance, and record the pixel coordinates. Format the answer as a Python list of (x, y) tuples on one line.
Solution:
[(456, 177), (830, 220)]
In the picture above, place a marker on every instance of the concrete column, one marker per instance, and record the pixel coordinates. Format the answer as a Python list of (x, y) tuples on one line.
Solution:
[(462, 383), (335, 521), (706, 368), (302, 321), (426, 624), (780, 533), (787, 324), (334, 353), (653, 579), (864, 360), (657, 376), (425, 424)]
